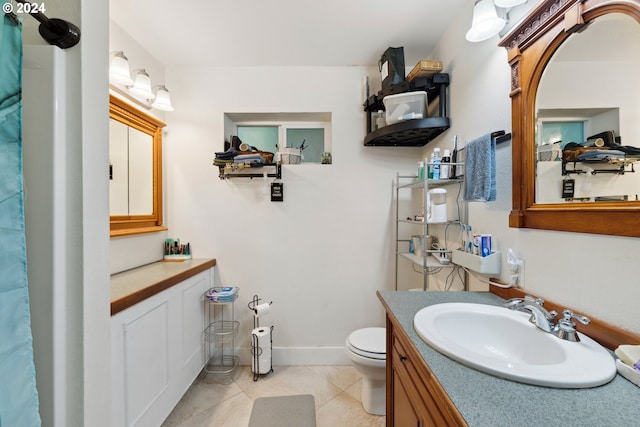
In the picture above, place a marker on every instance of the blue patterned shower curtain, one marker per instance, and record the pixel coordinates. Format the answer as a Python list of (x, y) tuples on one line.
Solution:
[(18, 395)]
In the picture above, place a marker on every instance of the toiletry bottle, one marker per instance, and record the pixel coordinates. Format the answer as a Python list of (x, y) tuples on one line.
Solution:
[(445, 165), (420, 171), (454, 159), (436, 163), (380, 120), (429, 163)]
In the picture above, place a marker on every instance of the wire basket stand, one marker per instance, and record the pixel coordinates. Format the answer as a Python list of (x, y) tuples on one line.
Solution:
[(219, 339), (256, 349)]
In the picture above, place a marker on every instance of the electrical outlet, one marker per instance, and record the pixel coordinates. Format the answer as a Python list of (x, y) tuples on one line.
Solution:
[(520, 264)]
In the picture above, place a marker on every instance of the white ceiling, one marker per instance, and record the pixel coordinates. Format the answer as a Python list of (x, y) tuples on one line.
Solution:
[(285, 32)]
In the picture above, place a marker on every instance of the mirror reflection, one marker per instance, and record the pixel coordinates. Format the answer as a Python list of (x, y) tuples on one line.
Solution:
[(587, 115), (130, 170)]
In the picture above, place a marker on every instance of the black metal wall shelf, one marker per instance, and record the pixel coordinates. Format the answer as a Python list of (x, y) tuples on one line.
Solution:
[(620, 169), (410, 133), (224, 173)]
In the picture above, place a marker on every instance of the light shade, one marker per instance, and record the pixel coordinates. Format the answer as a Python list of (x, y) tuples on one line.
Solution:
[(141, 85), (119, 69), (486, 22), (506, 4), (162, 100)]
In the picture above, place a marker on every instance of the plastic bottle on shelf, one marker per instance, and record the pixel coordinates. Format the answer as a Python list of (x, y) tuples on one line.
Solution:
[(380, 120), (454, 159), (436, 163), (420, 171), (445, 166), (428, 162)]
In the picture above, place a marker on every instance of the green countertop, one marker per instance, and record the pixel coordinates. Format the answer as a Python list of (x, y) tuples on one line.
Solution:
[(485, 400)]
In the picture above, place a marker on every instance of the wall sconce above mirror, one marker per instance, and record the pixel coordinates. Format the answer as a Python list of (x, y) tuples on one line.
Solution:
[(135, 170), (487, 20), (136, 85), (562, 69)]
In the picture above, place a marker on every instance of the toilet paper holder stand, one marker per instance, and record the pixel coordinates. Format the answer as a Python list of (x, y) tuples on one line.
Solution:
[(256, 349)]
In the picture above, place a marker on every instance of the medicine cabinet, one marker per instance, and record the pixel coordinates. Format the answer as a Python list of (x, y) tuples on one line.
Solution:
[(135, 170)]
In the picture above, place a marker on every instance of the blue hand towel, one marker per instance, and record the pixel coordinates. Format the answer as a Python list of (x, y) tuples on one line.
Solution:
[(480, 169)]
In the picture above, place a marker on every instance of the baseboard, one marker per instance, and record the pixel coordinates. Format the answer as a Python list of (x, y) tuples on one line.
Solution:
[(313, 356)]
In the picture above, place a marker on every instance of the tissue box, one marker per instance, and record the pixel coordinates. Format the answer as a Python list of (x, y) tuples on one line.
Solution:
[(405, 106)]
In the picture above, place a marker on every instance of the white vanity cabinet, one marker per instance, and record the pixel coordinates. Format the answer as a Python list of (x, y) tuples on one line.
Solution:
[(157, 351)]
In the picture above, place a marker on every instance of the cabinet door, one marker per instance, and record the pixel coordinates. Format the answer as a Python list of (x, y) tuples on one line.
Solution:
[(404, 415), (192, 324), (147, 362), (415, 394)]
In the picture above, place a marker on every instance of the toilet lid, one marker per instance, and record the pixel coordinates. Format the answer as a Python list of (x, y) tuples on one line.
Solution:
[(369, 342)]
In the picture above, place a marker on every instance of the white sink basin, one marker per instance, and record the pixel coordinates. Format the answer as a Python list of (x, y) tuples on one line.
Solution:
[(504, 343)]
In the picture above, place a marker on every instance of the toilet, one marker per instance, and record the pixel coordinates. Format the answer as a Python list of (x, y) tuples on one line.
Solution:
[(366, 348)]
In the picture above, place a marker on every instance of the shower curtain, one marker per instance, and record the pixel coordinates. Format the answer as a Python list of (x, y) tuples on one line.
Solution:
[(18, 395)]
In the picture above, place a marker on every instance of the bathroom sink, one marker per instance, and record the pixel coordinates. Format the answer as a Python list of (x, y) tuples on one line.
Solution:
[(503, 343)]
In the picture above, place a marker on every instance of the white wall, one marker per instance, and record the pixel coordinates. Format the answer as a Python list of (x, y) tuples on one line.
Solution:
[(80, 390), (321, 254), (132, 251), (590, 273)]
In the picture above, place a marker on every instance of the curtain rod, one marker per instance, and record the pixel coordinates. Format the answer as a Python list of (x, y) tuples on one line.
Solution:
[(54, 31)]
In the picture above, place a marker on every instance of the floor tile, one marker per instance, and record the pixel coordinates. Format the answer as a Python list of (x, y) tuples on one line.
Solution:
[(288, 380), (356, 389), (344, 410), (340, 376), (201, 396), (336, 390), (233, 412)]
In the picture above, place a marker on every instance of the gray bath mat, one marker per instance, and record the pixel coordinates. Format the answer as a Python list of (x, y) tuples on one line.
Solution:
[(284, 411)]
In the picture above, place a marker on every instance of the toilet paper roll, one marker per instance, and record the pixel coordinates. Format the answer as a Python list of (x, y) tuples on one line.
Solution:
[(261, 339), (262, 309)]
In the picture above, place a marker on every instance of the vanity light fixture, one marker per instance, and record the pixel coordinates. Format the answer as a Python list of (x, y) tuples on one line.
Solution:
[(489, 21), (119, 69), (141, 84), (507, 4), (136, 85), (162, 99), (486, 22)]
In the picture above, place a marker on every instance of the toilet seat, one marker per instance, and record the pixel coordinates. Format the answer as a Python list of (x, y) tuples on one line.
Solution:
[(369, 342)]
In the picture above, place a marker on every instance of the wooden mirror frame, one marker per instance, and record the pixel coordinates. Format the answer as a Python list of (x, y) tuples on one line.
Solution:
[(530, 46), (125, 113)]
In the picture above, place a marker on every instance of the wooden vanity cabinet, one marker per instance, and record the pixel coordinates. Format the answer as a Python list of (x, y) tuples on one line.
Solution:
[(414, 396)]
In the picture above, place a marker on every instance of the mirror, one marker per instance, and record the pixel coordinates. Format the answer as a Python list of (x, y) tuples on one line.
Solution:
[(562, 90), (135, 170), (572, 111)]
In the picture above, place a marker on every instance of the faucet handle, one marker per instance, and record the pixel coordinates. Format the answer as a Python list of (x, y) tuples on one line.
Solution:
[(568, 315), (532, 299), (566, 327), (513, 303)]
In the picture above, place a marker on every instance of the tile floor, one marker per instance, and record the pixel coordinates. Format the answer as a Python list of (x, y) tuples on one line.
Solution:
[(336, 390)]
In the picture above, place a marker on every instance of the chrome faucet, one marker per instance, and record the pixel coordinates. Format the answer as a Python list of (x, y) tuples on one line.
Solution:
[(540, 317), (565, 328)]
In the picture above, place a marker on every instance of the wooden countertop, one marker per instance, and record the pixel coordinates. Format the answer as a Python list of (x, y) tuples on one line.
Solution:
[(135, 285)]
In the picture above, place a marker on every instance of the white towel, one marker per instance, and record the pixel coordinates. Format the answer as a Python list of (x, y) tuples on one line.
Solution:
[(480, 169)]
